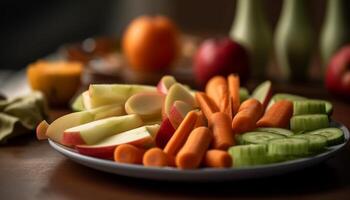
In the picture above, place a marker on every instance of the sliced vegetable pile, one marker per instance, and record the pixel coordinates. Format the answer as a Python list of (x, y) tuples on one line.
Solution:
[(172, 125)]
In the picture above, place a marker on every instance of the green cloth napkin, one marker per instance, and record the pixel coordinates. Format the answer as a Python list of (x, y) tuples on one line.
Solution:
[(21, 115)]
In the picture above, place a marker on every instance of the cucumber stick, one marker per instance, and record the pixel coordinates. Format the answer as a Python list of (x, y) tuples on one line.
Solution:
[(308, 122)]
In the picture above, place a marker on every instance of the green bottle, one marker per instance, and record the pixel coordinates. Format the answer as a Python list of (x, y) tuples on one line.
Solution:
[(294, 40), (336, 29), (251, 29)]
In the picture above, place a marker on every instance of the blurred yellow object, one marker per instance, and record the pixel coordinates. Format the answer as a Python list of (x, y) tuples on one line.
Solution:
[(57, 80)]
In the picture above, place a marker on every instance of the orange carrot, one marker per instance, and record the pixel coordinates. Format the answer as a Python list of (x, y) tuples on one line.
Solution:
[(192, 153), (201, 120), (222, 132), (41, 130), (217, 90), (217, 158), (181, 134), (248, 114), (233, 86), (155, 157), (206, 104), (278, 115), (127, 153)]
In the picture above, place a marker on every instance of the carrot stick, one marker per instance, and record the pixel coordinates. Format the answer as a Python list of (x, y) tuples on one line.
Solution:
[(217, 158), (127, 153), (248, 114), (222, 132), (206, 104), (41, 130), (155, 157), (181, 134), (217, 89), (278, 115), (192, 153), (201, 120), (233, 87)]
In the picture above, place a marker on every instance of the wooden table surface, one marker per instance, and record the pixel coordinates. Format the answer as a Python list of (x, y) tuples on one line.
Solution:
[(30, 169)]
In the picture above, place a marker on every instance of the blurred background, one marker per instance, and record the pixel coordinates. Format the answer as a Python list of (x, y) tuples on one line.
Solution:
[(33, 29)]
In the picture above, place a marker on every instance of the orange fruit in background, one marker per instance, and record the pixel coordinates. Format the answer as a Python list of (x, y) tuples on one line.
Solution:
[(57, 80), (151, 43)]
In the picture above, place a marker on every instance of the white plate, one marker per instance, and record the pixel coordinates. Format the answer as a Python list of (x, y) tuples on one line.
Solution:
[(205, 174)]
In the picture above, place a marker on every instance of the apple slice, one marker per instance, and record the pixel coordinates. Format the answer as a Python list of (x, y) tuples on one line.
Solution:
[(142, 137), (175, 93), (148, 105), (164, 134), (56, 128), (41, 130), (165, 83), (86, 100), (93, 132), (178, 112), (105, 94), (263, 93)]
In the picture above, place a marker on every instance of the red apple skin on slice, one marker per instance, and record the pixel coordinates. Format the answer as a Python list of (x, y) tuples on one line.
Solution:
[(141, 137), (178, 112), (107, 152), (164, 134), (165, 83), (72, 138)]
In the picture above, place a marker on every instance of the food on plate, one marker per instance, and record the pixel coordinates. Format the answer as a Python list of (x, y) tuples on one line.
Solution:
[(217, 158), (127, 153), (172, 126), (192, 152), (263, 93), (104, 94), (277, 116), (57, 127), (177, 92), (151, 43), (181, 134), (217, 89), (148, 105), (206, 104), (165, 83), (142, 137), (57, 80), (234, 91), (93, 132), (155, 157), (222, 131), (308, 122), (248, 114)]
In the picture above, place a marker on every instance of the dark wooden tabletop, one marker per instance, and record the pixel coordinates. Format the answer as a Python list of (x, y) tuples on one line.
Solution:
[(30, 169)]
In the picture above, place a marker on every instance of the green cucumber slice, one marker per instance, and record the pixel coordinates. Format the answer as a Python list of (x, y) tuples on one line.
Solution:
[(317, 143), (334, 135), (259, 137), (308, 122), (301, 107), (249, 155), (280, 131), (328, 105), (288, 147)]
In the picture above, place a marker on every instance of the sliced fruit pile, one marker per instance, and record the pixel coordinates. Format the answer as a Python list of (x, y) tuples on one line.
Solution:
[(172, 125)]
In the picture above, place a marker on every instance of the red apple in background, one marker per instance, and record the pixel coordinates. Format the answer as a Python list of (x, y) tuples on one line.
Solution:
[(338, 73), (220, 57)]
